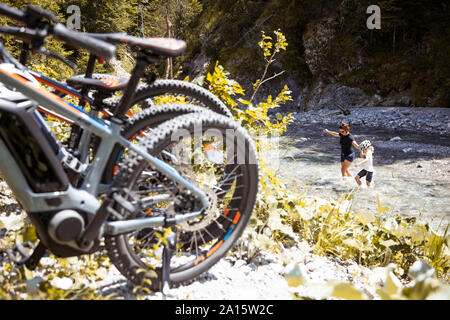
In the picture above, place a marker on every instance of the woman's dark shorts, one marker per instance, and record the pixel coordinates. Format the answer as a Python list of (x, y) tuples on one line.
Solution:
[(364, 172), (350, 157)]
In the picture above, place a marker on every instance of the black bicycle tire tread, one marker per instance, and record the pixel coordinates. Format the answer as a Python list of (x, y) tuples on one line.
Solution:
[(160, 86), (126, 168), (196, 91)]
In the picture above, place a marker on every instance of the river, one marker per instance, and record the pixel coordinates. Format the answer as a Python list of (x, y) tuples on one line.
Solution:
[(411, 169)]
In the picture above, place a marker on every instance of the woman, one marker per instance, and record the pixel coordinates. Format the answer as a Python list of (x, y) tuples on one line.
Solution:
[(347, 153)]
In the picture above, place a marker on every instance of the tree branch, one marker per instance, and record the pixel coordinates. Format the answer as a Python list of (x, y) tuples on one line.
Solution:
[(273, 77)]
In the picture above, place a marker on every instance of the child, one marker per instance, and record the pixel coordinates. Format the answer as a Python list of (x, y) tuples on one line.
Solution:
[(367, 164)]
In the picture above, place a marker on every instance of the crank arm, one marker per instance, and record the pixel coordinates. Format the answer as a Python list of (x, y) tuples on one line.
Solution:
[(114, 228)]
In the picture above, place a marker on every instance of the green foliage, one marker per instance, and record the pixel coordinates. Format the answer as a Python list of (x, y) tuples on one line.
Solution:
[(142, 18), (282, 214), (372, 239), (61, 278), (270, 50), (406, 56)]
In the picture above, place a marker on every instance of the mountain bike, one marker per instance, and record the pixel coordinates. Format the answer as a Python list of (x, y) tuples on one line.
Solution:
[(105, 87), (199, 204)]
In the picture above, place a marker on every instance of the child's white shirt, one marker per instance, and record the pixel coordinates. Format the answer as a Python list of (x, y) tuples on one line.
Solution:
[(369, 164)]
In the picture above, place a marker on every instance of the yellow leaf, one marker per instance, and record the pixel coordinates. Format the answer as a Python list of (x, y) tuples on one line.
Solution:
[(381, 209), (293, 275), (365, 217), (244, 101), (345, 291), (392, 285), (30, 234)]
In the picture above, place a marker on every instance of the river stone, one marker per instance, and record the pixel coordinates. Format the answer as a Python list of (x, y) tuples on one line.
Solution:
[(240, 263)]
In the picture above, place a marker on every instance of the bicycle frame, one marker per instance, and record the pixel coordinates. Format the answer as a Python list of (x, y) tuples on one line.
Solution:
[(84, 99), (62, 88), (83, 198)]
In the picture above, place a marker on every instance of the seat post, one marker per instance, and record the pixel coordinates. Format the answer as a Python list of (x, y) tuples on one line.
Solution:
[(88, 74), (90, 66), (75, 137), (24, 53), (143, 60)]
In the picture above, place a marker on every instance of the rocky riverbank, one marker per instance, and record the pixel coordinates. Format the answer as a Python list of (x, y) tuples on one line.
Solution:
[(427, 120), (262, 279), (411, 159), (232, 278)]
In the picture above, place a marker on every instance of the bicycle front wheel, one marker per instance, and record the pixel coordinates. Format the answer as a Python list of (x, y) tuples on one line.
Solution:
[(229, 176)]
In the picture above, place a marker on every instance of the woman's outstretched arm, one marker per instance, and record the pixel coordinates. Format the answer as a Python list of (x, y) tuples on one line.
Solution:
[(331, 132)]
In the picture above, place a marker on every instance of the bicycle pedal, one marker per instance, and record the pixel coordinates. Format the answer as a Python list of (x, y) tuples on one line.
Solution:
[(71, 162)]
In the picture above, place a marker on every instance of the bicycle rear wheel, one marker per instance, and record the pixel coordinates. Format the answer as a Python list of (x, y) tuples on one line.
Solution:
[(164, 91), (231, 184), (141, 124)]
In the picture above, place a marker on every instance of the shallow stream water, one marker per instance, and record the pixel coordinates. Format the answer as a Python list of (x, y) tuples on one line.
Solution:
[(411, 173)]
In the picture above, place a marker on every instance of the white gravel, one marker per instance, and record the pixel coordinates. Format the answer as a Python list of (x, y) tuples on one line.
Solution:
[(235, 279)]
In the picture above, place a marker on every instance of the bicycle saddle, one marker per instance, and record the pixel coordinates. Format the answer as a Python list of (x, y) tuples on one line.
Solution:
[(104, 84), (168, 47)]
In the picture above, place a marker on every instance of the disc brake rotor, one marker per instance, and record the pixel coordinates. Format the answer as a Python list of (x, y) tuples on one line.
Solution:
[(210, 214)]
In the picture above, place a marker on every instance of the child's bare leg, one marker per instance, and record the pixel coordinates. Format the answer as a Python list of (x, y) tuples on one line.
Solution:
[(368, 183), (358, 181)]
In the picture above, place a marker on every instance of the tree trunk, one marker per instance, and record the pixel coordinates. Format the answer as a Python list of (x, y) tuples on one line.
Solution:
[(142, 21), (393, 42), (169, 67)]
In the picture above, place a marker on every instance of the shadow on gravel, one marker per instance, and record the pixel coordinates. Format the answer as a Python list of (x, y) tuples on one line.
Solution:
[(123, 289), (120, 288)]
